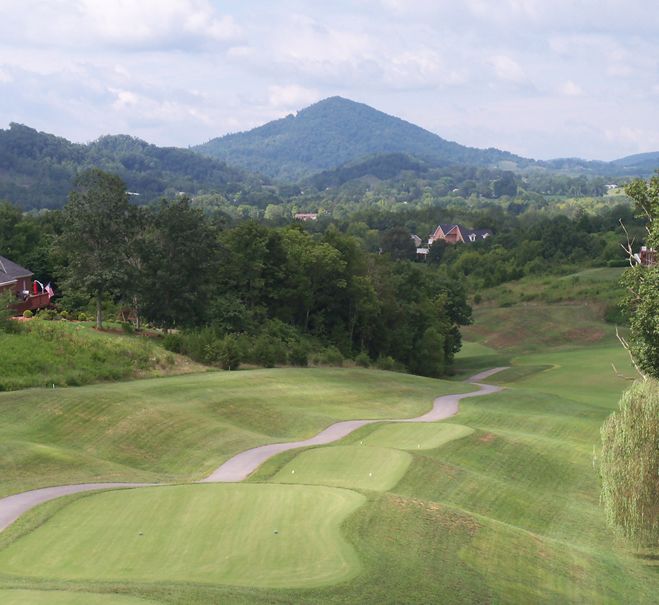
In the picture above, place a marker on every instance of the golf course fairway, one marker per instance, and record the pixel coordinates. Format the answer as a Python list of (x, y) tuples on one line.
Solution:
[(416, 436), (256, 535), (373, 468)]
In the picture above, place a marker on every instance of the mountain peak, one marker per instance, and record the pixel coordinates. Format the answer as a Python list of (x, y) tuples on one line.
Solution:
[(335, 131)]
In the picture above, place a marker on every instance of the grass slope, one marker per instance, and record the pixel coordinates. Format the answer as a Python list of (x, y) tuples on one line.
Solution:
[(182, 427), (70, 354), (256, 535)]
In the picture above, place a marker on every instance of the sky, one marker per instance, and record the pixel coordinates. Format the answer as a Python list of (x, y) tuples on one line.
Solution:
[(540, 78)]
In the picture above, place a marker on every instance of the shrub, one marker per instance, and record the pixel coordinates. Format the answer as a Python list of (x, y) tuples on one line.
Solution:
[(174, 343), (331, 356), (298, 355), (629, 464), (128, 327), (28, 314), (363, 360), (46, 315), (229, 353), (64, 314), (263, 352), (82, 316), (386, 362), (7, 324)]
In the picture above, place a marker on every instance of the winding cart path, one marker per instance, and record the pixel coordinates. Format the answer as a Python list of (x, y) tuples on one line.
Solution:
[(243, 464)]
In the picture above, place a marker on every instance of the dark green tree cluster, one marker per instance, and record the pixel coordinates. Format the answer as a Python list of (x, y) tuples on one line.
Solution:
[(174, 267), (156, 259)]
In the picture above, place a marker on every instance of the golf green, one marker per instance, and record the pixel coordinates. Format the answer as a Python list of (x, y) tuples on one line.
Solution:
[(64, 597), (256, 535), (416, 435), (356, 466)]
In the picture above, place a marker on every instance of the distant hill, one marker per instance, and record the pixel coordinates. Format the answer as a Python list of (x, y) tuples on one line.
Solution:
[(37, 169), (639, 165), (336, 131), (647, 163)]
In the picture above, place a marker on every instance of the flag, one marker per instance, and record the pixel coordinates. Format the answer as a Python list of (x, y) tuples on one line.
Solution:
[(50, 291)]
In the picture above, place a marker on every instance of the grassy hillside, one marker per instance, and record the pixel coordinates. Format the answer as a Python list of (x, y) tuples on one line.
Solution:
[(506, 511), (497, 505), (182, 427), (44, 354)]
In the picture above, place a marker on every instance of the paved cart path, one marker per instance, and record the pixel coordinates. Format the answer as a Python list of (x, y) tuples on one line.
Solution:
[(242, 465)]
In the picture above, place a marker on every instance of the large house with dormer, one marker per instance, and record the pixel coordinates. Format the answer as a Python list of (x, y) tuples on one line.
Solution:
[(453, 234)]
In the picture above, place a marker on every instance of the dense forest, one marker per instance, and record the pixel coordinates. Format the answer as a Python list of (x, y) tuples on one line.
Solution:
[(37, 170), (274, 290)]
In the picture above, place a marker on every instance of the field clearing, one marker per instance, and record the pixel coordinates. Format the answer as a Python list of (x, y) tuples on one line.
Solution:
[(255, 535), (182, 427)]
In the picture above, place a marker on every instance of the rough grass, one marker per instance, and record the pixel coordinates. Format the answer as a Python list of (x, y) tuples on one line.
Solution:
[(600, 286), (44, 354), (536, 327), (180, 428)]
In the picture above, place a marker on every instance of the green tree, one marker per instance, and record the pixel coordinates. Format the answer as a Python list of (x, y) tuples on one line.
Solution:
[(177, 257), (642, 283), (629, 465), (97, 226)]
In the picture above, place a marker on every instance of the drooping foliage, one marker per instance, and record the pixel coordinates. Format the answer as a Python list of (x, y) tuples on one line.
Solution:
[(630, 465)]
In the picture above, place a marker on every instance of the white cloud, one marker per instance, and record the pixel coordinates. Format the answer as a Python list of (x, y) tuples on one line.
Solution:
[(147, 24), (292, 96), (570, 89), (5, 76), (507, 68)]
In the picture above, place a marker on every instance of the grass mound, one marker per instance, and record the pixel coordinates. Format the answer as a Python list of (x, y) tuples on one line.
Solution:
[(256, 535)]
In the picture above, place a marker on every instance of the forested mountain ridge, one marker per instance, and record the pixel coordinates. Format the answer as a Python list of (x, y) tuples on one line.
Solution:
[(336, 131), (37, 169)]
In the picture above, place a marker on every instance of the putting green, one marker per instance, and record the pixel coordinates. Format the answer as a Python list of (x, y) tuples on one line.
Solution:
[(374, 468), (416, 435), (256, 535), (57, 597)]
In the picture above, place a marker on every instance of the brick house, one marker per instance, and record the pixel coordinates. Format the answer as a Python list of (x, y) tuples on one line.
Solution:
[(453, 234), (19, 282)]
